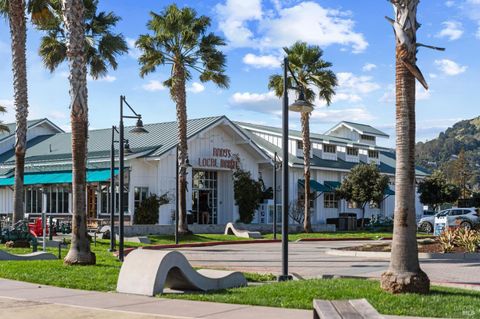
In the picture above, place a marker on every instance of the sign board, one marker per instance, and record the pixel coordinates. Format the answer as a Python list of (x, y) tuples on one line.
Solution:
[(220, 158)]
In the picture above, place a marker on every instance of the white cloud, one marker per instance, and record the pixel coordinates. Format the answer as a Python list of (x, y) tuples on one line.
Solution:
[(351, 88), (449, 67), (453, 30), (261, 61), (433, 75), (450, 3), (153, 86), (245, 24), (369, 67), (106, 78), (267, 103), (196, 88), (133, 51)]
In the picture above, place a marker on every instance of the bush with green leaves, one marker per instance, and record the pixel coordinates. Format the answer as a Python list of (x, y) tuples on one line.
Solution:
[(468, 239), (248, 194), (448, 239), (435, 190), (147, 212)]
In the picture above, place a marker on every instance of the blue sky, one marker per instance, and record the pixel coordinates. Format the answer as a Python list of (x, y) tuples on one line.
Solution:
[(354, 34)]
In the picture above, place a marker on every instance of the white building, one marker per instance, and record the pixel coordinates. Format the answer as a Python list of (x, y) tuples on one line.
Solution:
[(216, 146)]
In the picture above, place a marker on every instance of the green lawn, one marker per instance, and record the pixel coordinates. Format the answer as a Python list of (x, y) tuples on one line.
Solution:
[(339, 235), (442, 302), (102, 277)]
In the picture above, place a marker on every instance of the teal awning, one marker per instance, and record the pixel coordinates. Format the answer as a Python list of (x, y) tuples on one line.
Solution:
[(93, 176), (332, 185), (389, 191), (314, 185)]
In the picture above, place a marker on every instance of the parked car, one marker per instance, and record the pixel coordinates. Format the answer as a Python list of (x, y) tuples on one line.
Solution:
[(457, 217), (425, 224)]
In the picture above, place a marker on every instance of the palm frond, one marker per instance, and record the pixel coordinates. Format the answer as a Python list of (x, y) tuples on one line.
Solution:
[(3, 128)]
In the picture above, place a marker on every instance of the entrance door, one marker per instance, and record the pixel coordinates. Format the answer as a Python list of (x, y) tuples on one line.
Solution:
[(204, 197)]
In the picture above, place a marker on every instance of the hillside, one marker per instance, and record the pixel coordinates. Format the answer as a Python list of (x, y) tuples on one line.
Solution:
[(440, 152)]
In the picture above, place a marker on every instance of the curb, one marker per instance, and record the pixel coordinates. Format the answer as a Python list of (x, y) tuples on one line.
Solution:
[(205, 244), (355, 239), (379, 254)]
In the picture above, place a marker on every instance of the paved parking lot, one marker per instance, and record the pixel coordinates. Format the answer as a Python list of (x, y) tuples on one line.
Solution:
[(310, 260)]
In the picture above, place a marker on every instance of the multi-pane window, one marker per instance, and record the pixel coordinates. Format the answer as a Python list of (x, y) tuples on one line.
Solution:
[(328, 148), (300, 145), (367, 137), (57, 200), (301, 198), (372, 154), (352, 151), (125, 200), (33, 200), (141, 193), (330, 200)]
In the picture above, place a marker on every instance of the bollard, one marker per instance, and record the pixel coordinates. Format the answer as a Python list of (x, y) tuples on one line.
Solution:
[(95, 239), (50, 231), (60, 250)]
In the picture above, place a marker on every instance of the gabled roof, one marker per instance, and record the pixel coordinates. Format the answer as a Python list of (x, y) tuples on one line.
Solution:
[(360, 128), (30, 124)]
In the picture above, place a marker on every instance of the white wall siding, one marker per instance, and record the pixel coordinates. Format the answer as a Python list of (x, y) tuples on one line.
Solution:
[(6, 200)]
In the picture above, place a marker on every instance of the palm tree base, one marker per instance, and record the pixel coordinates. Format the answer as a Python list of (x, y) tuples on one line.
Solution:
[(74, 257), (398, 283)]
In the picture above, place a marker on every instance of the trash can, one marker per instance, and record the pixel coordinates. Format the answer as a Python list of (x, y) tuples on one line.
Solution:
[(347, 221)]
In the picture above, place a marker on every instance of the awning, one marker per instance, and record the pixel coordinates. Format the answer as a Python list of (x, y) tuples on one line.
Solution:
[(93, 176), (332, 185), (389, 191), (314, 185)]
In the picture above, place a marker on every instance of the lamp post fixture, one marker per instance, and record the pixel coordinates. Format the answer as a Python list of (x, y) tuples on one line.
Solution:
[(302, 106), (138, 129)]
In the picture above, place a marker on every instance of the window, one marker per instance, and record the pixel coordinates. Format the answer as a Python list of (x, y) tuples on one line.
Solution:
[(300, 145), (141, 193), (352, 151), (57, 200), (301, 198), (33, 200), (104, 199), (330, 200), (372, 154), (327, 148), (367, 137)]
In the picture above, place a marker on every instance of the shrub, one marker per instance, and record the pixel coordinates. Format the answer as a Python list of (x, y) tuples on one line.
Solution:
[(448, 239), (248, 194), (468, 239), (147, 212)]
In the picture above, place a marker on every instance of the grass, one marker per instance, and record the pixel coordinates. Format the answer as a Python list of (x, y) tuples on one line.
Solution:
[(442, 302), (101, 277), (338, 235)]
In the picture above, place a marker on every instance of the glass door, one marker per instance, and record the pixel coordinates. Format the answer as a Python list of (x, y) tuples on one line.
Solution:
[(205, 197)]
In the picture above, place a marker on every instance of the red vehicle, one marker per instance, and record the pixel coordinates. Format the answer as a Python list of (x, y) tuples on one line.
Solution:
[(37, 228)]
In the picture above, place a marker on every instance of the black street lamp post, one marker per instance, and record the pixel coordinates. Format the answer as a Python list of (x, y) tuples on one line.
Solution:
[(112, 191), (301, 106), (138, 129), (276, 165)]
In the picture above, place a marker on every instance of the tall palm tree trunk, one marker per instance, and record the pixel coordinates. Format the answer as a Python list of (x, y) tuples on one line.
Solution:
[(179, 95), (305, 119), (404, 274), (18, 31), (73, 11)]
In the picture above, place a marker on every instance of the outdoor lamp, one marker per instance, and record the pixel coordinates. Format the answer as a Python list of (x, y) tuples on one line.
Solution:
[(139, 129), (128, 150), (301, 105)]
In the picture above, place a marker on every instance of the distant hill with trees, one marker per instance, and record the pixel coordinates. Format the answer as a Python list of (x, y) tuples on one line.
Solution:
[(455, 152)]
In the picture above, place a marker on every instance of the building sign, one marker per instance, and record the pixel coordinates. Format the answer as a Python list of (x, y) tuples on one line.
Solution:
[(221, 158)]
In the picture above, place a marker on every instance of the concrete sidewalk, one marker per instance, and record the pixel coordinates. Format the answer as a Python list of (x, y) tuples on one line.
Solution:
[(21, 300), (26, 300)]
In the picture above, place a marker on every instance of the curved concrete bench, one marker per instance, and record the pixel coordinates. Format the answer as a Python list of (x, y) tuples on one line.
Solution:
[(231, 229), (40, 255), (148, 272)]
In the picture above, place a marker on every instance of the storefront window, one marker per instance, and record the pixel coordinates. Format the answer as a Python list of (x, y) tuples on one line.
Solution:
[(330, 200), (33, 200), (141, 193), (57, 200), (104, 199)]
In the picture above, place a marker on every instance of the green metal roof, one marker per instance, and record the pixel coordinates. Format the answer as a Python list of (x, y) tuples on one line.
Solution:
[(389, 191), (30, 124), (316, 186), (46, 178), (362, 128), (332, 185)]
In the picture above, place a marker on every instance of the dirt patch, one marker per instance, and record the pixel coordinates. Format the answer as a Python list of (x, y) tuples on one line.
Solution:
[(425, 247)]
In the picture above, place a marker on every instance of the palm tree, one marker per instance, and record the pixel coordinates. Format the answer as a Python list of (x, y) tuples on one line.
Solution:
[(180, 41), (313, 73), (3, 128), (77, 33), (15, 12), (404, 274), (102, 46)]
